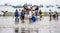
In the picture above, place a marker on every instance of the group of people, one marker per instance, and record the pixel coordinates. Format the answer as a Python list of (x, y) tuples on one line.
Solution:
[(53, 15), (32, 12), (29, 10)]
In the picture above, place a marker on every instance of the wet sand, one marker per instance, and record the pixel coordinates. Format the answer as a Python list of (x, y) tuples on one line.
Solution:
[(7, 25)]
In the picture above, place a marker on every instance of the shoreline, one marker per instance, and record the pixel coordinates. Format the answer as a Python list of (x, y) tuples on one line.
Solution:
[(12, 13)]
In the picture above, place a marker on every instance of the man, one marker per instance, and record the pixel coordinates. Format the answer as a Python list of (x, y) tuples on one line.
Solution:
[(16, 16), (23, 15), (40, 12), (50, 13), (56, 14)]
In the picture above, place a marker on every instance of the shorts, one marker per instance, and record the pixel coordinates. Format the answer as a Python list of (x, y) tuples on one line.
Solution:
[(22, 17)]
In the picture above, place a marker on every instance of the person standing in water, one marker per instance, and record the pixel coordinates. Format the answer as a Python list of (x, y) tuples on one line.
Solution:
[(30, 16), (56, 15), (40, 12), (22, 15), (50, 14), (16, 16)]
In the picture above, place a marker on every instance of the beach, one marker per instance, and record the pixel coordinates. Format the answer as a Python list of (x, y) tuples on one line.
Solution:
[(7, 25)]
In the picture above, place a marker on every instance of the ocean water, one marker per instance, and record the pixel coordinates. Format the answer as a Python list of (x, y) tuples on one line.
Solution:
[(7, 25)]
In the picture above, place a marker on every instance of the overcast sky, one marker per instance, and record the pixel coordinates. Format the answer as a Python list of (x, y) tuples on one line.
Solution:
[(36, 2)]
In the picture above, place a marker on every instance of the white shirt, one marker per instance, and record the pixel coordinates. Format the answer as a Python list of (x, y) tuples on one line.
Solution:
[(20, 12), (30, 14)]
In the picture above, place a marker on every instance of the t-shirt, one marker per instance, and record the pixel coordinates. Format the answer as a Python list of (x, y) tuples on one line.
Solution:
[(16, 14), (20, 12)]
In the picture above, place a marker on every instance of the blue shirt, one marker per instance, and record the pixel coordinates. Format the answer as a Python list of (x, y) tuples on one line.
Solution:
[(16, 14)]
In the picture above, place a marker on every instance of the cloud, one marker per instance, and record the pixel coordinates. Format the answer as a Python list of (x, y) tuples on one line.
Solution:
[(37, 2)]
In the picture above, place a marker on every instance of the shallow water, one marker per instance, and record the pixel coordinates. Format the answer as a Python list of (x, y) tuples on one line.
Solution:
[(7, 25)]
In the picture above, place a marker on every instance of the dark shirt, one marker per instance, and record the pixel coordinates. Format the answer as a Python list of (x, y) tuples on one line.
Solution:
[(37, 8), (40, 12)]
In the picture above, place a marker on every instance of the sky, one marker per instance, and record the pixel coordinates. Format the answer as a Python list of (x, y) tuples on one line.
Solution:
[(34, 2)]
